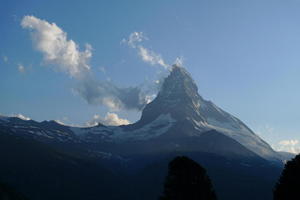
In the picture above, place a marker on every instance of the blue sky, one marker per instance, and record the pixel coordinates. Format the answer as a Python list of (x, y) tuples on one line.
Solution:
[(244, 56)]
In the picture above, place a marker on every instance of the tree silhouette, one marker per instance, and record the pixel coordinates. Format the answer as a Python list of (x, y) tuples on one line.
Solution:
[(288, 186), (187, 180), (8, 193)]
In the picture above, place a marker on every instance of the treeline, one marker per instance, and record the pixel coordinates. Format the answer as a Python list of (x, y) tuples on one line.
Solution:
[(187, 180), (9, 193)]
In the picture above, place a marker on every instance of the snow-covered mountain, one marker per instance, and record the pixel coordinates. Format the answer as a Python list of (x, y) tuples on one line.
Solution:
[(180, 99), (177, 122), (177, 114)]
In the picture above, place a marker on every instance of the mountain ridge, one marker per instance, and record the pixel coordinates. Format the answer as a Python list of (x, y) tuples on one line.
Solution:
[(178, 104), (177, 122)]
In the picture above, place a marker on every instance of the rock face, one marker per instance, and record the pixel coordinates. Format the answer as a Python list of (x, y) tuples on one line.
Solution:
[(179, 98)]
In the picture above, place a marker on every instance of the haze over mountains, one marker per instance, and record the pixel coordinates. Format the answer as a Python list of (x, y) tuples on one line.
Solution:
[(93, 162)]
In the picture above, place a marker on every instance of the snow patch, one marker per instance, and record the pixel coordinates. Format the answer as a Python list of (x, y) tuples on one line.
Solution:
[(22, 117), (117, 133), (239, 132)]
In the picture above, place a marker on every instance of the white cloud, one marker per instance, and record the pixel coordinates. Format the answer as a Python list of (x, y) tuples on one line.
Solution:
[(5, 59), (134, 38), (21, 68), (64, 53), (114, 120), (115, 98), (268, 133), (112, 103), (111, 119), (52, 41), (134, 41), (151, 57), (291, 146), (288, 142)]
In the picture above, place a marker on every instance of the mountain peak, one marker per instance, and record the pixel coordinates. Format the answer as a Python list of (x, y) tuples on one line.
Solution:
[(178, 97), (179, 87), (178, 81)]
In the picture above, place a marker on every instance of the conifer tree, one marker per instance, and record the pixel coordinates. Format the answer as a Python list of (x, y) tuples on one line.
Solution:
[(288, 185), (187, 180), (8, 193)]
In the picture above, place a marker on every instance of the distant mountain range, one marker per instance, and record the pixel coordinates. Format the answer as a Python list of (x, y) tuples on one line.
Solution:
[(66, 162)]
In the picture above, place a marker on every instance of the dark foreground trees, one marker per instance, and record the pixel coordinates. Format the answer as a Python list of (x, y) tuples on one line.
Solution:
[(187, 180), (288, 186), (8, 193)]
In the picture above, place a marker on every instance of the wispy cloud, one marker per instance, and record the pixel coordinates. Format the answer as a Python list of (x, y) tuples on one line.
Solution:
[(5, 59), (111, 119), (135, 40), (288, 142), (21, 68), (151, 57), (291, 146), (106, 93), (64, 53)]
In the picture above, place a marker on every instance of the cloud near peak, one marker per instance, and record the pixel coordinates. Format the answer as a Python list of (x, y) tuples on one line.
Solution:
[(151, 57), (134, 38), (134, 41), (97, 92), (64, 54), (110, 119)]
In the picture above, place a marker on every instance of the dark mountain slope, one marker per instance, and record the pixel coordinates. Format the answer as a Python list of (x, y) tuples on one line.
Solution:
[(41, 172)]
